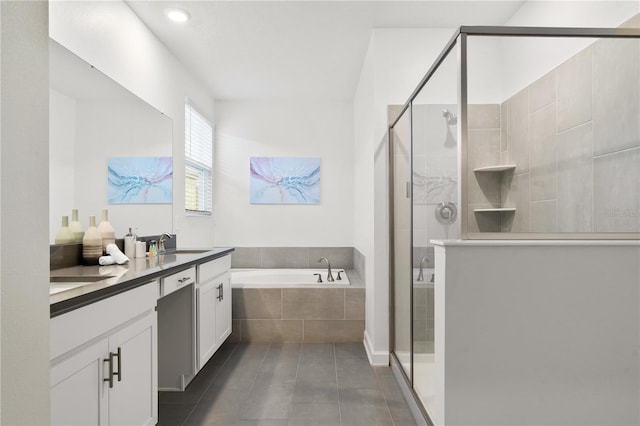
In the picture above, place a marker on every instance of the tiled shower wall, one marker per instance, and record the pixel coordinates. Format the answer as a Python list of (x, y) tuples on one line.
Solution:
[(574, 137)]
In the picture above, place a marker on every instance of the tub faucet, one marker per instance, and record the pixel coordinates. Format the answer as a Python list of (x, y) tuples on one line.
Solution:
[(161, 248), (421, 272), (329, 274)]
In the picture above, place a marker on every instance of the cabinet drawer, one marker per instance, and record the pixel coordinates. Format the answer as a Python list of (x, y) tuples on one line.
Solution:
[(176, 281), (212, 269), (77, 327)]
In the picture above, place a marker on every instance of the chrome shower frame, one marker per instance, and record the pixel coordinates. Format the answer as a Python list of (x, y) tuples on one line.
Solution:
[(459, 42)]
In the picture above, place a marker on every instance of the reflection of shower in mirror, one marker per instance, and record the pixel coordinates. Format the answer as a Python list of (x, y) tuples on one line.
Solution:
[(451, 117)]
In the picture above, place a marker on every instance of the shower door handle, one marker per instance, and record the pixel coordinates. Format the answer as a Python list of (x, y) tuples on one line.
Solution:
[(408, 189)]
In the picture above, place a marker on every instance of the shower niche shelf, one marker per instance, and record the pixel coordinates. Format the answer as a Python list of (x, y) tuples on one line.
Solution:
[(494, 180), (500, 168), (496, 210)]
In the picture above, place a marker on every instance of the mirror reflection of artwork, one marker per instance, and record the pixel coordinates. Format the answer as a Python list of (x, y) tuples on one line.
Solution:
[(140, 180), (285, 180)]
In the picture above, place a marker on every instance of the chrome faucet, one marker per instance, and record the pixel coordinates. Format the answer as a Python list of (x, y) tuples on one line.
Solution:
[(421, 272), (329, 274), (161, 248)]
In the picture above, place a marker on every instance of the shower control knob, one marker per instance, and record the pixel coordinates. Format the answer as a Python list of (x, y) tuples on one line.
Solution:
[(446, 212)]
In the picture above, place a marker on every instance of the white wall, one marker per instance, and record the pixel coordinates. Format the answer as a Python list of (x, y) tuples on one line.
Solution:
[(396, 61), (24, 221), (524, 60), (292, 129), (537, 333), (108, 35)]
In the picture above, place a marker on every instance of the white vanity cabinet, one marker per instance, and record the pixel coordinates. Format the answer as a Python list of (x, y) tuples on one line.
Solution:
[(104, 361), (213, 297)]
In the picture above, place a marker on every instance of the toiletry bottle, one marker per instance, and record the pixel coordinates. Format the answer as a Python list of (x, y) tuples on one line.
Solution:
[(130, 244), (106, 231), (91, 243), (153, 250), (64, 235), (76, 227)]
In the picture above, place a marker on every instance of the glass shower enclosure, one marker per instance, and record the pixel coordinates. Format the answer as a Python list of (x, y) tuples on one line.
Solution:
[(513, 133)]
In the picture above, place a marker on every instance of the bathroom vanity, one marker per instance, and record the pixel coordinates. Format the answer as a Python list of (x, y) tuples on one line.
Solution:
[(120, 333)]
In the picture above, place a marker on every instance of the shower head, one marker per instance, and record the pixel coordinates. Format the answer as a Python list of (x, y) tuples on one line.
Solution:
[(451, 117)]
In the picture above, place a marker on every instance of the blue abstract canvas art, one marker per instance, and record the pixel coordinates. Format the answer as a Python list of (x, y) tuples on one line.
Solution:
[(285, 180), (140, 180)]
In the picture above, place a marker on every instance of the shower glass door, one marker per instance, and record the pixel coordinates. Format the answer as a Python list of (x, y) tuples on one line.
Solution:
[(401, 231), (434, 149)]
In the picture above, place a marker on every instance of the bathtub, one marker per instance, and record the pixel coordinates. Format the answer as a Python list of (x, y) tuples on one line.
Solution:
[(279, 278)]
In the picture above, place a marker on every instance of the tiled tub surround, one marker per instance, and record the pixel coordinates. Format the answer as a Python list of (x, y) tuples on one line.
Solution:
[(320, 315), (294, 278), (574, 138), (297, 257)]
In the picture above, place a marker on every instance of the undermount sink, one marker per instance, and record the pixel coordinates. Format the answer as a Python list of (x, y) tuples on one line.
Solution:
[(78, 278)]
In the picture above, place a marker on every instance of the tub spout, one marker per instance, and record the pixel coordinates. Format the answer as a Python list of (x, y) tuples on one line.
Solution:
[(329, 274), (421, 271)]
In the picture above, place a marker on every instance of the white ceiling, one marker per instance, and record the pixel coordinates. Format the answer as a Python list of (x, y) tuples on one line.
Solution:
[(296, 49)]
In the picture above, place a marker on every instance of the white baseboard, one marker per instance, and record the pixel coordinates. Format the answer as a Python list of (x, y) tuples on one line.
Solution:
[(375, 358)]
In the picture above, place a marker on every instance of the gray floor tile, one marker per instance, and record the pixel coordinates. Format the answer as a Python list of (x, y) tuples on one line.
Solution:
[(270, 398), (388, 384), (224, 409), (282, 360), (246, 360), (174, 414), (320, 390), (352, 373), (257, 386), (350, 350), (199, 385), (400, 413), (314, 414), (364, 407), (316, 355)]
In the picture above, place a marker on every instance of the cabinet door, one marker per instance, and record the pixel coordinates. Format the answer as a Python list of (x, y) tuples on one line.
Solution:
[(133, 400), (223, 309), (78, 394), (206, 324)]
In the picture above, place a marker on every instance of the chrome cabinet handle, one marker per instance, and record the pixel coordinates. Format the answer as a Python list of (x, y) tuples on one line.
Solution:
[(220, 292), (119, 372), (112, 373), (110, 377), (185, 279)]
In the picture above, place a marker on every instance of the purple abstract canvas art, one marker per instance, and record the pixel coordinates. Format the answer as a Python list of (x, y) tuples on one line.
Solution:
[(285, 180)]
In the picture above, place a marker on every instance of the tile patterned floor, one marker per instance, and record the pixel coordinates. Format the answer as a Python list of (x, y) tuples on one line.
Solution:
[(288, 384)]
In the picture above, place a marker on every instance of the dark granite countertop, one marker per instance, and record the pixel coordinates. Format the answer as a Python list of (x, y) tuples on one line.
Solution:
[(78, 286)]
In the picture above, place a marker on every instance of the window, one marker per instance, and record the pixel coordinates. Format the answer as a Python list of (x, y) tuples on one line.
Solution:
[(198, 150)]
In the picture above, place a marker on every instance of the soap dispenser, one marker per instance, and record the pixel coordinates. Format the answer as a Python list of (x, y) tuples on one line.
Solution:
[(153, 249), (130, 244)]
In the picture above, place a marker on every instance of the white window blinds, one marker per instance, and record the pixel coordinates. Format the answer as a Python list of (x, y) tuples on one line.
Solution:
[(198, 150)]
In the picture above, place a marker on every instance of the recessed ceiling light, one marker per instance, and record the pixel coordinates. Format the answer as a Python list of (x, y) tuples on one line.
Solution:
[(177, 15)]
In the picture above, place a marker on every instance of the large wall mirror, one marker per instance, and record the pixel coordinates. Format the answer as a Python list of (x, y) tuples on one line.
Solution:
[(92, 119)]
